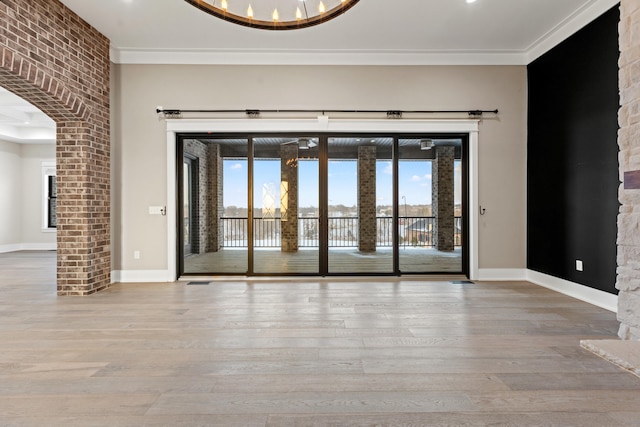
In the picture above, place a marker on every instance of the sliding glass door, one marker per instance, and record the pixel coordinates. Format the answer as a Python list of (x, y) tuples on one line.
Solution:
[(321, 205), (190, 202), (286, 216), (360, 205), (430, 205), (215, 200)]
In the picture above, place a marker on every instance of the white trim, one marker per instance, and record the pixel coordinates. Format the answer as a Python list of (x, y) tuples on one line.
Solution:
[(171, 210), (502, 274), (315, 57), (568, 27), (474, 205), (38, 247), (140, 276), (575, 290), (323, 126), (584, 293), (311, 125), (16, 247)]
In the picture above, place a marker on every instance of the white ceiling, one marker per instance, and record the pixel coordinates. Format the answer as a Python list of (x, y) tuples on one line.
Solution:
[(373, 32), (21, 122)]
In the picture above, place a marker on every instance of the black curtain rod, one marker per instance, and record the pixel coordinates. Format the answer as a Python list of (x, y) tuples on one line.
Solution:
[(392, 113)]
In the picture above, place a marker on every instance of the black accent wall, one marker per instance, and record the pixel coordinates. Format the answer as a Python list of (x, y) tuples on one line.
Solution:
[(572, 171)]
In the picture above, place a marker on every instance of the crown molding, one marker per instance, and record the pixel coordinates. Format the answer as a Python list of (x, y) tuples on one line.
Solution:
[(314, 57), (574, 23), (177, 56)]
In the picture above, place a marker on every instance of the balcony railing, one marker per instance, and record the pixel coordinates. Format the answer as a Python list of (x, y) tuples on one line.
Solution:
[(343, 232)]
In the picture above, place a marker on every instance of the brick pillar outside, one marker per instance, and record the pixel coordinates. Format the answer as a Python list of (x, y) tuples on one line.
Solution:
[(289, 174), (443, 198), (367, 198), (215, 199), (199, 150)]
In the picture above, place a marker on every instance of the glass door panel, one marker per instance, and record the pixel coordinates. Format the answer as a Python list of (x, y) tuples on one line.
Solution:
[(285, 205), (360, 205), (353, 231), (429, 206), (219, 221), (187, 204)]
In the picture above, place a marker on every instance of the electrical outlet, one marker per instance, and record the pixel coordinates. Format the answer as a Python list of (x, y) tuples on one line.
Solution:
[(579, 265), (136, 254)]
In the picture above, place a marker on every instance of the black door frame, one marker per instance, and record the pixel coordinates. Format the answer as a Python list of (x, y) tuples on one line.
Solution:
[(323, 193)]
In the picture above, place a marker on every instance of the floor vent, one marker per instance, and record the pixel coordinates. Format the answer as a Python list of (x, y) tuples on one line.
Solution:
[(198, 283), (461, 282)]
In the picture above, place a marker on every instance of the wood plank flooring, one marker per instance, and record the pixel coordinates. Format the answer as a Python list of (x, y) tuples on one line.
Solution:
[(303, 352)]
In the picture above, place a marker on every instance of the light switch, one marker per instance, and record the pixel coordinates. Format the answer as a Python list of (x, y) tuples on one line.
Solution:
[(156, 210)]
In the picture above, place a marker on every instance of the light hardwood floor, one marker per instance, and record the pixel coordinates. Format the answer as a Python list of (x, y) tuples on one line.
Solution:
[(304, 352)]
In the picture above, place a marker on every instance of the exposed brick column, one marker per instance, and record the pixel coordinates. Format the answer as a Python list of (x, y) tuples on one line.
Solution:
[(289, 174), (59, 63), (83, 210), (443, 198), (215, 197), (200, 238), (628, 281), (367, 198)]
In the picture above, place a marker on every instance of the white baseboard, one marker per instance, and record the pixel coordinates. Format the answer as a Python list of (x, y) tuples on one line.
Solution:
[(140, 276), (9, 248), (27, 247), (39, 247), (584, 293), (575, 290), (502, 274)]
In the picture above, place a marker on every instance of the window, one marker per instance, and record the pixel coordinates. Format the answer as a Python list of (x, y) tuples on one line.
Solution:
[(52, 220), (50, 193)]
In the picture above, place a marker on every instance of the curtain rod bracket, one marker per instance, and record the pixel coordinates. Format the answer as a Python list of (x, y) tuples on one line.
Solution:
[(169, 114), (479, 113)]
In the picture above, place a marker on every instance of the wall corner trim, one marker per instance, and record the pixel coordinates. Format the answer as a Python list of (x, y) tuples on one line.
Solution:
[(584, 293), (140, 276)]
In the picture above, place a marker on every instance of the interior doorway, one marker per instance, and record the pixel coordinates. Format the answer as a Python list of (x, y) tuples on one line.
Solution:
[(323, 204)]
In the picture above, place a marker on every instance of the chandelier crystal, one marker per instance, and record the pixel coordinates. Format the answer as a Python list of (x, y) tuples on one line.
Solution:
[(275, 14)]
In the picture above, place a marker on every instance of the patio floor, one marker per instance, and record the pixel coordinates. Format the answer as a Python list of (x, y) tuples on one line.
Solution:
[(341, 261)]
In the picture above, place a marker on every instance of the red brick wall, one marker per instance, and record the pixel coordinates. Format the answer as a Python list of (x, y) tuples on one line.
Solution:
[(55, 60)]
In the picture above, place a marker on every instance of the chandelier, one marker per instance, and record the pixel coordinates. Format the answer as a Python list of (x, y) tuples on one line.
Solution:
[(275, 14)]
